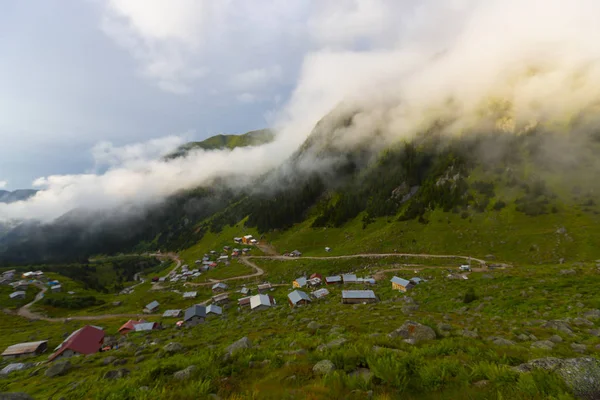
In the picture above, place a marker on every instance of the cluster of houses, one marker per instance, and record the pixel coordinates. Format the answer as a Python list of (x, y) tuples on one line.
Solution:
[(248, 239), (27, 279)]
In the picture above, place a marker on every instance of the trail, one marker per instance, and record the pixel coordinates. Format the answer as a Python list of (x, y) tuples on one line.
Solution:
[(245, 260), (371, 255)]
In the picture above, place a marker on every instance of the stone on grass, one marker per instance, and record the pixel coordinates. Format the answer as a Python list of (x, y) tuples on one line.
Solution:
[(184, 373), (58, 369), (592, 314), (543, 344), (580, 348), (323, 367), (243, 343), (116, 373), (582, 322), (523, 338), (560, 326), (364, 373), (314, 325), (581, 375), (139, 359), (469, 334), (172, 348), (414, 332), (498, 341), (555, 339)]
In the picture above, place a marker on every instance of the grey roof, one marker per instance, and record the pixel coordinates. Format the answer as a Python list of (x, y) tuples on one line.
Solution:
[(153, 305), (56, 287), (214, 309), (320, 293), (298, 295), (400, 281), (171, 313), (335, 278), (301, 281), (190, 295), (260, 300), (358, 294), (195, 311), (349, 277), (416, 279), (17, 294), (219, 297), (264, 286), (219, 285), (244, 290), (145, 326)]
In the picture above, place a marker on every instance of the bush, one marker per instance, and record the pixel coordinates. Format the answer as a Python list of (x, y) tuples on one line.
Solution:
[(470, 296), (72, 302), (499, 205)]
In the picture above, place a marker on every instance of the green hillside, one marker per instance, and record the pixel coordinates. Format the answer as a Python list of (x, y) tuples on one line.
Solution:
[(252, 138)]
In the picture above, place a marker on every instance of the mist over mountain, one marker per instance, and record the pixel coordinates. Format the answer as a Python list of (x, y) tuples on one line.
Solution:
[(16, 195)]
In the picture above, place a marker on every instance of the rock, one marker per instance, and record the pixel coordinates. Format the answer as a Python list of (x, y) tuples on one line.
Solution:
[(139, 359), (184, 373), (592, 314), (15, 396), (580, 348), (323, 367), (482, 383), (558, 325), (522, 338), (291, 378), (594, 332), (116, 373), (469, 334), (410, 308), (336, 343), (479, 307), (415, 331), (144, 388), (108, 360), (543, 344), (313, 326), (498, 341), (555, 339), (58, 369), (116, 303), (122, 361), (568, 272), (490, 257), (444, 327), (582, 322), (364, 373), (533, 337), (172, 348), (581, 375), (243, 343)]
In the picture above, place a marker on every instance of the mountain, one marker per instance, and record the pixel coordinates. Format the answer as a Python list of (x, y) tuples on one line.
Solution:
[(17, 195), (218, 142)]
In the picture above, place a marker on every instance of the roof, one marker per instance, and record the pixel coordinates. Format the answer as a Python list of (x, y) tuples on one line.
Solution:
[(301, 281), (145, 326), (297, 296), (260, 300), (400, 281), (214, 309), (17, 294), (244, 290), (86, 340), (335, 278), (171, 313), (195, 311), (23, 348), (219, 285), (247, 236), (130, 325), (416, 279), (56, 287), (220, 297), (152, 305), (244, 300), (264, 286), (349, 277), (188, 295), (358, 294), (316, 275), (320, 293)]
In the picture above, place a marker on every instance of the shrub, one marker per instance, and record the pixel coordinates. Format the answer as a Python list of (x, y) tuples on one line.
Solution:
[(390, 369), (499, 205), (470, 296)]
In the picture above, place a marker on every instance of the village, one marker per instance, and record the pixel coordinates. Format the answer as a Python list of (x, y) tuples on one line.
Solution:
[(305, 290)]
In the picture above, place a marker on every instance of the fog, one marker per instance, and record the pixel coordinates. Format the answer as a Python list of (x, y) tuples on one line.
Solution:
[(501, 65)]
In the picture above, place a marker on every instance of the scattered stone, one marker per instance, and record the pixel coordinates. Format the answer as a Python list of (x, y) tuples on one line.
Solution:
[(173, 347), (335, 343), (582, 322), (444, 327), (410, 308), (116, 373), (558, 325), (116, 303), (144, 388), (291, 378), (243, 343), (482, 383), (555, 339), (580, 348), (592, 314), (15, 396), (58, 369), (364, 373), (323, 367), (533, 337), (490, 257), (313, 326), (568, 272), (298, 352), (579, 305), (122, 361), (581, 375), (290, 317), (522, 337), (498, 341), (479, 307), (414, 331), (184, 373), (543, 344), (469, 334), (594, 332), (139, 359)]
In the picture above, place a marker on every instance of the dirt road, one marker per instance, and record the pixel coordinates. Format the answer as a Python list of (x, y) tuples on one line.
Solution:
[(371, 255), (245, 260)]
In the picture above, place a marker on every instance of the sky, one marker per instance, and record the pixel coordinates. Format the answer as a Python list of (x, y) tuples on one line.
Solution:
[(94, 92)]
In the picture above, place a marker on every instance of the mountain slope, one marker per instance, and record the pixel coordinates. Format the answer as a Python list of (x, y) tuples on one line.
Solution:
[(17, 195)]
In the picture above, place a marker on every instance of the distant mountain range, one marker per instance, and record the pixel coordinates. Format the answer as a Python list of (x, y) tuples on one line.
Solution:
[(219, 142), (17, 195)]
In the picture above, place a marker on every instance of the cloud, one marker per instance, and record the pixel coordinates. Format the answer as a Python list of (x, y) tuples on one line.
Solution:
[(246, 98), (3, 184), (256, 78)]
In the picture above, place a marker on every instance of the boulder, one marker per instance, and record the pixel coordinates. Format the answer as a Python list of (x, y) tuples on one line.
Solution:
[(582, 322), (58, 369), (173, 348), (139, 359), (323, 367), (543, 344), (314, 325), (410, 308), (469, 334), (108, 360), (364, 373), (568, 272), (592, 314), (414, 332), (15, 396), (594, 332), (523, 337), (243, 343), (121, 361), (116, 373), (498, 341), (184, 373), (555, 339), (581, 375), (580, 348), (558, 325)]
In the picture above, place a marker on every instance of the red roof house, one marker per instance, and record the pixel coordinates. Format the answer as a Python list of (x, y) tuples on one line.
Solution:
[(129, 326), (86, 340)]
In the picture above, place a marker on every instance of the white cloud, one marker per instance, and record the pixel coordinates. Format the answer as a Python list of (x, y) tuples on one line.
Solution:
[(3, 184), (246, 98), (256, 78)]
